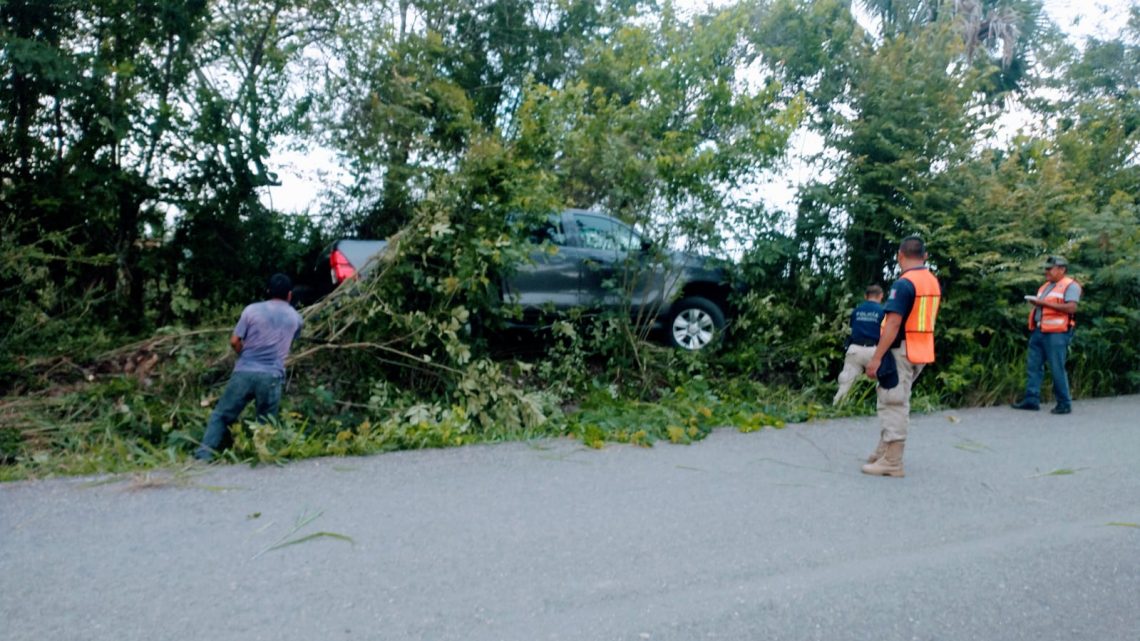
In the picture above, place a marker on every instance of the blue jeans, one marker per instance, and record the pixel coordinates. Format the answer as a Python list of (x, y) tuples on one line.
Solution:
[(242, 388), (1052, 349)]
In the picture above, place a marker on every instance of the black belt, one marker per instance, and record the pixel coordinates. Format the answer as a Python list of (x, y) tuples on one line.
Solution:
[(863, 344)]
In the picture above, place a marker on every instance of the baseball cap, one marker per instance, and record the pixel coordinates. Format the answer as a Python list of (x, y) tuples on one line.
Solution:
[(1056, 261), (888, 373)]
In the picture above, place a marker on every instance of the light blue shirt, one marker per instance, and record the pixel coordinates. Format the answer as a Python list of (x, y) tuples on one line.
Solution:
[(267, 330)]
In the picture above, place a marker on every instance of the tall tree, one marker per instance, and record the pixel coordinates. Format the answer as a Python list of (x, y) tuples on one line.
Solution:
[(1002, 31), (914, 119), (421, 78), (90, 97), (897, 106), (657, 126), (251, 91)]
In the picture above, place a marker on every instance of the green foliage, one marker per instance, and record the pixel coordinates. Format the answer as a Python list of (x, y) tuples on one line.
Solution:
[(811, 42), (138, 142), (679, 415), (919, 103), (778, 340), (656, 128)]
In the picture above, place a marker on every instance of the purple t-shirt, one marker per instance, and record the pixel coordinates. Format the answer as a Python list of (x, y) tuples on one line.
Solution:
[(267, 330)]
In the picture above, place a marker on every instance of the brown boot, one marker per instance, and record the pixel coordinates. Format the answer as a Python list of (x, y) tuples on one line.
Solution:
[(880, 450), (891, 462)]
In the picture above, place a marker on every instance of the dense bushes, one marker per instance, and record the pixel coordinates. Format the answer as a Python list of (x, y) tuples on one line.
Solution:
[(132, 199)]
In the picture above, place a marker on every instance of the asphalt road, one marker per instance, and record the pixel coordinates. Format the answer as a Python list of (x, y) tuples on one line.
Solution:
[(1009, 525)]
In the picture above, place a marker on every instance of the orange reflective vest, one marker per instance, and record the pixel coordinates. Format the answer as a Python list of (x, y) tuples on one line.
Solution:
[(920, 322), (1053, 321)]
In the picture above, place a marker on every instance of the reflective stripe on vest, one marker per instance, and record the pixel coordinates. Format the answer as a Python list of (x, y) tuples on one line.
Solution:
[(1053, 321), (923, 312)]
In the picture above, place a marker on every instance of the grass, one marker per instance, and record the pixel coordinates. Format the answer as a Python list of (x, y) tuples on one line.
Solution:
[(1064, 471), (120, 425), (106, 444), (101, 439), (291, 538), (972, 446)]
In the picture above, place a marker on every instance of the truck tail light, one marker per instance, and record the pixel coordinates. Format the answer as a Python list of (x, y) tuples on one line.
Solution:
[(342, 270)]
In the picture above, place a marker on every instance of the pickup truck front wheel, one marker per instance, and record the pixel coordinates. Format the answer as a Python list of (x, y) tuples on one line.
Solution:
[(694, 323)]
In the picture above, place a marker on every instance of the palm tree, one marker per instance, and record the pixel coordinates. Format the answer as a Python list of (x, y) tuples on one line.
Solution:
[(995, 26)]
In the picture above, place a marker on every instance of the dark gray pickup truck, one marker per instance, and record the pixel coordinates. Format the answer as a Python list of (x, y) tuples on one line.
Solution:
[(588, 260)]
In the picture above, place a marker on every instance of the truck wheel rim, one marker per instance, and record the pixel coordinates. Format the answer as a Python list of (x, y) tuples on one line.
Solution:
[(693, 329)]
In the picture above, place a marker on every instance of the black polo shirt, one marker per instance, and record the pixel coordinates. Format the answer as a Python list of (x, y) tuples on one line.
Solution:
[(865, 322), (900, 301)]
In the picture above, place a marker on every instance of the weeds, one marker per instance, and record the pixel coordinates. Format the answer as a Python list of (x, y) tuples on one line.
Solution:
[(683, 414), (132, 432)]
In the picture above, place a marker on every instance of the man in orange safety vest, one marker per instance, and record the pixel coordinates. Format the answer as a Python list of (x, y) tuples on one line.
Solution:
[(907, 337), (1051, 323)]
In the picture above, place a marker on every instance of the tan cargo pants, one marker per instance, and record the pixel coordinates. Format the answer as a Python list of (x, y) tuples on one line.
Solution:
[(894, 404), (854, 366)]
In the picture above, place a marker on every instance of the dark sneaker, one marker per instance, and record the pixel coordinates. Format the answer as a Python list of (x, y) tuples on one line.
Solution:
[(1061, 409), (1025, 404)]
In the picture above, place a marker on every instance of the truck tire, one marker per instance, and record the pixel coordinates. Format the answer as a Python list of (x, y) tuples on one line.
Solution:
[(694, 323)]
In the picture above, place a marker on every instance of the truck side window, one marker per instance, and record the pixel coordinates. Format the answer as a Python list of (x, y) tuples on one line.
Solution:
[(605, 234), (551, 231)]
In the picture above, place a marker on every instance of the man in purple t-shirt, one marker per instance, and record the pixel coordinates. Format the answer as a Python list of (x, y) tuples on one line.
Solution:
[(262, 339)]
